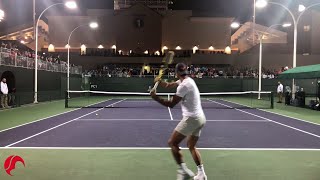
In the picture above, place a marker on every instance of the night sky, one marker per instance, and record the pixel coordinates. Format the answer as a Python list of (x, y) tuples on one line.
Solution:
[(20, 11)]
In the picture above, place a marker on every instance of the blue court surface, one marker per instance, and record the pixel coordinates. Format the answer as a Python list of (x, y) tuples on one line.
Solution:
[(228, 127)]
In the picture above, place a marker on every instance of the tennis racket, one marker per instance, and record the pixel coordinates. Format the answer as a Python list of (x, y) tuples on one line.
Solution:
[(167, 60)]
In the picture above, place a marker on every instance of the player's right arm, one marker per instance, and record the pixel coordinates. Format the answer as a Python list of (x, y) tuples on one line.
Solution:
[(166, 84)]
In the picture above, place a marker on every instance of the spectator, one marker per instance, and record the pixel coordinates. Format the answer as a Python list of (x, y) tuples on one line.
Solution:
[(4, 95), (280, 91), (12, 97)]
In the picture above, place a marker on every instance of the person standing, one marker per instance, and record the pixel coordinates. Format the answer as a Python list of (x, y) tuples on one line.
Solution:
[(280, 92), (191, 124), (4, 95)]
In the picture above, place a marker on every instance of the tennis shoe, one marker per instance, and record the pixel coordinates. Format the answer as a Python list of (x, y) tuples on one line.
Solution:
[(200, 176), (184, 174)]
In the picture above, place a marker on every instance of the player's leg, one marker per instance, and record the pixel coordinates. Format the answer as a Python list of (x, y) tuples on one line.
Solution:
[(173, 143), (192, 142), (180, 133)]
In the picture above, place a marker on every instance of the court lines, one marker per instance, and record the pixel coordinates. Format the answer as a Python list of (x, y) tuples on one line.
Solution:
[(12, 144), (294, 128), (263, 119), (178, 120), (155, 148)]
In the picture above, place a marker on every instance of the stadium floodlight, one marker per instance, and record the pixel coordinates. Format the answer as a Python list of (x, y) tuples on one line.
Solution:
[(301, 8), (235, 25), (92, 25), (1, 15), (285, 25), (71, 4), (194, 49), (296, 19), (164, 48), (68, 4), (261, 3)]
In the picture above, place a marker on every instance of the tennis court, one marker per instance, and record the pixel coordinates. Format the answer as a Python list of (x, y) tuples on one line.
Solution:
[(123, 123)]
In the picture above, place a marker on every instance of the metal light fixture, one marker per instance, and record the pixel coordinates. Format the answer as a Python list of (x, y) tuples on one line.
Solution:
[(261, 3), (93, 25), (235, 25), (301, 8), (286, 25), (71, 4)]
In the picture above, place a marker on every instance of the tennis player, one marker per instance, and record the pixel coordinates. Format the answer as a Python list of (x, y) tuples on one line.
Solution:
[(191, 124)]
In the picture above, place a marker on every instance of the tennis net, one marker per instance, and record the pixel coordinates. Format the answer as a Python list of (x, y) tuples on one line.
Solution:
[(224, 100)]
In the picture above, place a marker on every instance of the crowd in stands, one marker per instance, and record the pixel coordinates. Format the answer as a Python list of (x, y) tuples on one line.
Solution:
[(141, 53), (13, 54), (195, 71)]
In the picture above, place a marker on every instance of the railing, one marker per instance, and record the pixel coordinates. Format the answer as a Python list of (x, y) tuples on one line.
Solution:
[(172, 76), (8, 59)]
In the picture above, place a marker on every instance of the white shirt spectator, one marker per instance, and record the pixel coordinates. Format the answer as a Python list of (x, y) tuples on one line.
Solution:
[(191, 102), (280, 88), (4, 88)]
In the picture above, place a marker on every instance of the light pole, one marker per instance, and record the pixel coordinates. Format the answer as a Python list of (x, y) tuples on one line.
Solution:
[(92, 25), (254, 22), (68, 4), (302, 9), (260, 35)]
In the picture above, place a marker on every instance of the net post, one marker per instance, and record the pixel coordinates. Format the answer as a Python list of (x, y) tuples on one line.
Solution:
[(272, 100), (66, 100)]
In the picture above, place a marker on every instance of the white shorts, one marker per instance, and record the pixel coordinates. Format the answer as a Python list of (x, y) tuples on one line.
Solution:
[(191, 125)]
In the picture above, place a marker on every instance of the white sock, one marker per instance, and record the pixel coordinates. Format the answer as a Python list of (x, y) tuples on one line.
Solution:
[(183, 166), (200, 168)]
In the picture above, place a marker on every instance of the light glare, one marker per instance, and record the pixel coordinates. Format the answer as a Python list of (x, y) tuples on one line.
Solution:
[(93, 25), (261, 3), (235, 25), (301, 8), (1, 14), (71, 5), (286, 25)]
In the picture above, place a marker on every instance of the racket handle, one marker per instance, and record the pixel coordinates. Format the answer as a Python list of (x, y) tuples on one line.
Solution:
[(156, 85)]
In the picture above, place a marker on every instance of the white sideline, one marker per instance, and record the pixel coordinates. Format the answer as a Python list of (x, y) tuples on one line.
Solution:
[(170, 113), (297, 129), (278, 114), (155, 148), (48, 117), (62, 124), (217, 120)]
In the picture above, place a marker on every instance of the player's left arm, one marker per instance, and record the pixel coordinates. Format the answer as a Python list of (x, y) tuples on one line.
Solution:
[(167, 103)]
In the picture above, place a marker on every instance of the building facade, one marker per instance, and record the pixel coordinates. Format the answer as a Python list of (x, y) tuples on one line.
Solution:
[(153, 4), (140, 28)]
